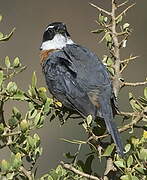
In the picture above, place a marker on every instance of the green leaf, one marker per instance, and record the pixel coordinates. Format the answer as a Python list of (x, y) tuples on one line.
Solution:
[(16, 112), (125, 26), (34, 80), (13, 122), (24, 125), (16, 161), (130, 161), (50, 178), (7, 37), (109, 150), (5, 165), (47, 105), (7, 62), (1, 17), (111, 70), (11, 87), (141, 170), (69, 156), (145, 92), (108, 37), (1, 78), (32, 113), (119, 20), (42, 94), (134, 178), (98, 31), (31, 142), (89, 119), (101, 18), (125, 177), (120, 163), (1, 35), (143, 154), (127, 148), (19, 95), (1, 128), (109, 61), (16, 62)]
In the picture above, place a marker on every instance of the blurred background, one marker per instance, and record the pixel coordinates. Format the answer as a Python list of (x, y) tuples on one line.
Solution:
[(30, 19)]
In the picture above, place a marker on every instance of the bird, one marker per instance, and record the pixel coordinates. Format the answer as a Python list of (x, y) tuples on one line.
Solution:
[(77, 78)]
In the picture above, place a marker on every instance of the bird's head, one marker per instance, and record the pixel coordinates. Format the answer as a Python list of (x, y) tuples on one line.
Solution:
[(55, 36)]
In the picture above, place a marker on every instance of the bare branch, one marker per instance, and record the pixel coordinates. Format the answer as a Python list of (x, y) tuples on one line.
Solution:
[(125, 11), (26, 173), (129, 59), (11, 134), (122, 4), (71, 168), (127, 114), (100, 9), (134, 84), (109, 166), (116, 50)]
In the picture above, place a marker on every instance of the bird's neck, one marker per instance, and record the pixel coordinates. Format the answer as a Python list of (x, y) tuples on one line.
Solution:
[(44, 54), (58, 42)]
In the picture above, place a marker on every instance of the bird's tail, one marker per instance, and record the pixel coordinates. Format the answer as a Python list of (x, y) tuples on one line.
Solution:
[(107, 114)]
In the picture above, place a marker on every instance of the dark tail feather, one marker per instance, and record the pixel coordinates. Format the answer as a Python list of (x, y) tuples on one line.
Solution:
[(111, 127)]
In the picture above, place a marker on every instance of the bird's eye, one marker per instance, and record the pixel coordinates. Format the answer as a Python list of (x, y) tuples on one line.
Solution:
[(50, 31)]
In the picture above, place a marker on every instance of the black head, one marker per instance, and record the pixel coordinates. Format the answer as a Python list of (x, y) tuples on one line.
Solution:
[(53, 29)]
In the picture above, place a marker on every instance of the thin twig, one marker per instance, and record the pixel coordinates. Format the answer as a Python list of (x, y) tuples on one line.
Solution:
[(11, 134), (127, 114), (129, 59), (134, 84), (125, 11), (101, 9), (2, 113), (74, 170), (122, 4), (26, 173), (109, 167)]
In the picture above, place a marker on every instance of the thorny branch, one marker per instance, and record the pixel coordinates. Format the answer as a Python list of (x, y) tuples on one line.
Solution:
[(26, 173), (71, 168), (101, 9), (116, 51)]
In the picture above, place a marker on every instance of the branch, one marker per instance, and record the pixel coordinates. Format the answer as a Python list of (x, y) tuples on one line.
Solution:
[(26, 173), (129, 59), (125, 11), (2, 113), (100, 9), (134, 84), (116, 50), (109, 166), (74, 170), (11, 134), (122, 4)]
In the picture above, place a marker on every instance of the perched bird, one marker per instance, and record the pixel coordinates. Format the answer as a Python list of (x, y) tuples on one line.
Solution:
[(76, 77)]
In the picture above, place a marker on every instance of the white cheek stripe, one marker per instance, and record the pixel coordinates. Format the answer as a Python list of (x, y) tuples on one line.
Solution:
[(58, 42), (49, 27)]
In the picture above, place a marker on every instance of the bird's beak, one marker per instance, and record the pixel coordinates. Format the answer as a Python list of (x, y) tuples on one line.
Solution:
[(40, 48)]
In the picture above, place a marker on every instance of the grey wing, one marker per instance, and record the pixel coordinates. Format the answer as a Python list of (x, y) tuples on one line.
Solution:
[(95, 79), (61, 79)]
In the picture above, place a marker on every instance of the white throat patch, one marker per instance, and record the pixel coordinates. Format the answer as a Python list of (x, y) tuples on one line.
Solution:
[(58, 42)]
